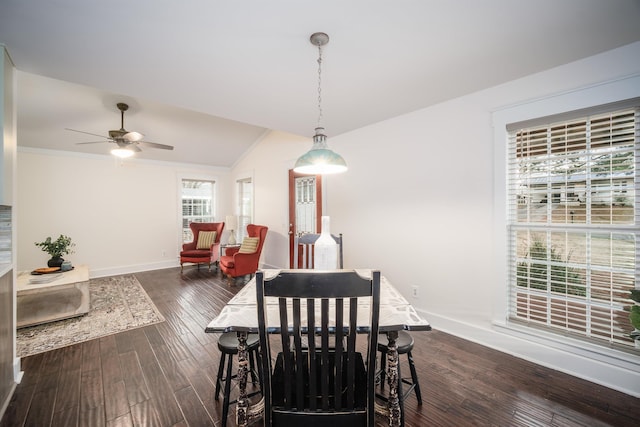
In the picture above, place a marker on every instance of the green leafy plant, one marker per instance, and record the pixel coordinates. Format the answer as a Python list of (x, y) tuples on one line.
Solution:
[(56, 248), (634, 316)]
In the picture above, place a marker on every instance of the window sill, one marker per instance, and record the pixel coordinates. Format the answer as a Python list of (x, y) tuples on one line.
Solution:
[(622, 359)]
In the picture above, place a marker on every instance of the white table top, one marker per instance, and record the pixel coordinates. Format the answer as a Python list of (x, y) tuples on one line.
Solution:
[(240, 313), (80, 273)]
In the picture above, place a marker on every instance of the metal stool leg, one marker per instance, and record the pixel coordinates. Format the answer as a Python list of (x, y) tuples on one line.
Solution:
[(414, 378), (383, 368), (252, 367), (220, 373), (227, 392)]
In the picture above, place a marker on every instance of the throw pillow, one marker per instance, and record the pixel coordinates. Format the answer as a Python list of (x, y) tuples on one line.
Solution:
[(249, 245), (206, 239)]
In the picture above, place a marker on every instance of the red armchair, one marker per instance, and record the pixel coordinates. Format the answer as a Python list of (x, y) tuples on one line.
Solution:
[(234, 263), (209, 254)]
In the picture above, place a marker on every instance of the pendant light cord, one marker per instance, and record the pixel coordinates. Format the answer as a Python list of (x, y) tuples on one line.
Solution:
[(319, 86), (320, 159)]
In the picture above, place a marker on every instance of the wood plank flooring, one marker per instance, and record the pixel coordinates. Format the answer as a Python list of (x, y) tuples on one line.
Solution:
[(164, 375)]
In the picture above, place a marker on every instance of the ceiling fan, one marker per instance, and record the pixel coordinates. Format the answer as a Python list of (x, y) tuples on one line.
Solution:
[(128, 142)]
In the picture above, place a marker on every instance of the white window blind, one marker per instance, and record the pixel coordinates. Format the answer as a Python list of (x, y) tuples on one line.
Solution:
[(245, 206), (573, 225), (197, 198), (306, 220)]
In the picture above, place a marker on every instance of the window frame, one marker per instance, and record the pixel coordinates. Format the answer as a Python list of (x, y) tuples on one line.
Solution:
[(244, 209), (184, 236), (547, 288), (600, 93)]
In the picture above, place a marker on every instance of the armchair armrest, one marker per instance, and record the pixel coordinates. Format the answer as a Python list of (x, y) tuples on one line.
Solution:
[(231, 251), (244, 262), (188, 246)]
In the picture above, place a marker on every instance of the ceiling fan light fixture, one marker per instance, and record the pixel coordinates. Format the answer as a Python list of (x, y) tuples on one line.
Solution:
[(133, 136), (128, 142), (320, 160), (123, 153)]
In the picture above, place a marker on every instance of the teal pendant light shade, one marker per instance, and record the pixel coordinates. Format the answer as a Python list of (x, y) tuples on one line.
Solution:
[(320, 160)]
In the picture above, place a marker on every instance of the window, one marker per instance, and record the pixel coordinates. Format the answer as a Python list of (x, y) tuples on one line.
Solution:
[(573, 224), (306, 219), (245, 206), (197, 204)]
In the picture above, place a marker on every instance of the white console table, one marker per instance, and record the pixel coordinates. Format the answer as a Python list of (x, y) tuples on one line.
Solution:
[(66, 296)]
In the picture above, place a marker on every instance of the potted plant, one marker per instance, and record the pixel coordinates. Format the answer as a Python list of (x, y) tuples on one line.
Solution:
[(634, 317), (56, 249)]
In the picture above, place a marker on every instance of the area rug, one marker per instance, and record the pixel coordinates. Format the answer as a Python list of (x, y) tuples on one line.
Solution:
[(118, 303)]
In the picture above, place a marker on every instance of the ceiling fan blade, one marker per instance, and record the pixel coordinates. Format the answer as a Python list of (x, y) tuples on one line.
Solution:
[(155, 145), (134, 147), (133, 136), (91, 142), (88, 133)]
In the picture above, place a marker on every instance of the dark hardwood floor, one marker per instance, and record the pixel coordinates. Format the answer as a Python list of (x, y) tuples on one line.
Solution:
[(163, 375)]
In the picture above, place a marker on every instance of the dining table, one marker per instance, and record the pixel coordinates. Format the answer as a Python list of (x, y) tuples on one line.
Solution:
[(240, 315)]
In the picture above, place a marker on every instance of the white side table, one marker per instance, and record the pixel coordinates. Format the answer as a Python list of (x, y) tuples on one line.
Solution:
[(66, 296)]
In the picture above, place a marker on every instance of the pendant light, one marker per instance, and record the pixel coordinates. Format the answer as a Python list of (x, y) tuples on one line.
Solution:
[(320, 160)]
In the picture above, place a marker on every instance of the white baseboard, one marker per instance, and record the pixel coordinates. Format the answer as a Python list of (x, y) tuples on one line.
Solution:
[(17, 376), (612, 374), (17, 372), (134, 268)]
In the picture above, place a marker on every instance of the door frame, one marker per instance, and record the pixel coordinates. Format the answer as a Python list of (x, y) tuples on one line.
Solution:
[(292, 208)]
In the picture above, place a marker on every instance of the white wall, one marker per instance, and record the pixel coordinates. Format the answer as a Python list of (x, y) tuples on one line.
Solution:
[(421, 203), (269, 163), (122, 215)]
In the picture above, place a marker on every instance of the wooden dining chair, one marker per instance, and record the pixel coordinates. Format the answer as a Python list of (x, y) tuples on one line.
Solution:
[(322, 384), (303, 250)]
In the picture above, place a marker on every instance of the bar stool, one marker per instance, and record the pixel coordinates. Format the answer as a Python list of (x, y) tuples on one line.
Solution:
[(405, 345), (228, 346)]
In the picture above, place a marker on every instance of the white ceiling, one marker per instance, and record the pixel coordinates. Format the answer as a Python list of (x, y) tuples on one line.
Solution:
[(210, 76)]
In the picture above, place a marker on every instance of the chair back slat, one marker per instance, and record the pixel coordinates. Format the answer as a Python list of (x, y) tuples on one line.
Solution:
[(297, 342), (351, 347), (339, 333), (265, 350), (311, 343), (324, 353), (286, 351), (319, 371)]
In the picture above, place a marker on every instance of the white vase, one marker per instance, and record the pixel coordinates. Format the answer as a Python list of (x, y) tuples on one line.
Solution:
[(325, 255)]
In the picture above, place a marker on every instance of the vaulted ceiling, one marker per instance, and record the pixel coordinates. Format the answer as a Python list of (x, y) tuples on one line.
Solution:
[(211, 76)]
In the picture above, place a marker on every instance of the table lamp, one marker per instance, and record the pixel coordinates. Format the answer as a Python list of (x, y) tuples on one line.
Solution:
[(230, 222)]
